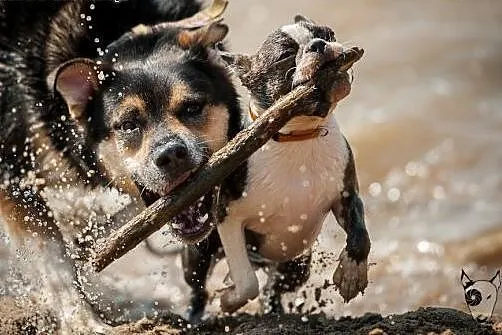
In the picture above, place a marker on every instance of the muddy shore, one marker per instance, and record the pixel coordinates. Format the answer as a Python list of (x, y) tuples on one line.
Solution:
[(23, 316)]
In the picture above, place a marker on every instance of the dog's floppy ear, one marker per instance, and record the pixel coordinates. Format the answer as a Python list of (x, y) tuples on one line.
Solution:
[(465, 280), (77, 82), (496, 280), (206, 36), (239, 63), (300, 18)]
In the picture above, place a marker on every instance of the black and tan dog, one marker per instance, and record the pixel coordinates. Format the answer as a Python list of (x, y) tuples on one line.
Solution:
[(141, 112), (297, 178)]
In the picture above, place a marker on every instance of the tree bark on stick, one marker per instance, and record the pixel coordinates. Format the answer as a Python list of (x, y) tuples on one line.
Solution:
[(220, 165)]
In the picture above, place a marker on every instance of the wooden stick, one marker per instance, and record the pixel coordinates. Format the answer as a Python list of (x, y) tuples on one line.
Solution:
[(220, 165)]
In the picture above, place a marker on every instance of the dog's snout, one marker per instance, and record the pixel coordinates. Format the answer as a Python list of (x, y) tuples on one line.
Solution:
[(317, 45), (171, 156)]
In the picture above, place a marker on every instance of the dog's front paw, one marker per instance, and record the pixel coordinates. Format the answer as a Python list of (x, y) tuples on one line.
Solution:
[(233, 299), (350, 277)]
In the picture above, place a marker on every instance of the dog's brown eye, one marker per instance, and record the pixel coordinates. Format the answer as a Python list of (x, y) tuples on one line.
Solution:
[(128, 126), (194, 109)]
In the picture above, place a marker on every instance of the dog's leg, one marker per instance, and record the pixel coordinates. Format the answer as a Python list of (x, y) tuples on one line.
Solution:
[(351, 275), (243, 276), (289, 276), (197, 261)]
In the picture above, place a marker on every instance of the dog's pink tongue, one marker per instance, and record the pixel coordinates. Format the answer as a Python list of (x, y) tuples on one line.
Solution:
[(178, 181)]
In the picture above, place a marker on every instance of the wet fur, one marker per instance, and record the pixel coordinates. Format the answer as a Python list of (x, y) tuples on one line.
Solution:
[(279, 215), (45, 143)]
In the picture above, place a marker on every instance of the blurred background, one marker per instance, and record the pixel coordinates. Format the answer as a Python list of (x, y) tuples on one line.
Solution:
[(425, 121)]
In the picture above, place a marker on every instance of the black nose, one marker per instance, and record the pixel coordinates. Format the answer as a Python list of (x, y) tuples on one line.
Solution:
[(171, 156), (317, 45)]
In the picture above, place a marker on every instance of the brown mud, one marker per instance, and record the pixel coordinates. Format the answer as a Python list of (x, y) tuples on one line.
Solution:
[(23, 316)]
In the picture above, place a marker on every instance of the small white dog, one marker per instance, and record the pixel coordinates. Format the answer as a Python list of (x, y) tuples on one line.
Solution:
[(298, 177)]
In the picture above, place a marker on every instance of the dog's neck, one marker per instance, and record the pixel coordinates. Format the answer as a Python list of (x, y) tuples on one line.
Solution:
[(298, 123)]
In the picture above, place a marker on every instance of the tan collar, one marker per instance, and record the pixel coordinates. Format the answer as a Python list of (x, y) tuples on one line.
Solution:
[(295, 135)]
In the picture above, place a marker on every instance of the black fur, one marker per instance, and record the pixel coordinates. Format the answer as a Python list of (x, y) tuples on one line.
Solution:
[(30, 49), (36, 38), (351, 214)]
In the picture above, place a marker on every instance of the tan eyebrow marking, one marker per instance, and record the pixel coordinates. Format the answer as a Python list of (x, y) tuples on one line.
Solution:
[(177, 96), (135, 102)]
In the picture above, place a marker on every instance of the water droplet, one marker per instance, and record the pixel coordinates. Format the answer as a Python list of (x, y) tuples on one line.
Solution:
[(394, 194), (375, 189), (294, 228), (439, 192), (299, 301)]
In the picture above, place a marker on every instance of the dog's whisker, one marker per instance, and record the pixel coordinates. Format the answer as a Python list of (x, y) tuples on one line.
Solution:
[(142, 191), (110, 182), (288, 72)]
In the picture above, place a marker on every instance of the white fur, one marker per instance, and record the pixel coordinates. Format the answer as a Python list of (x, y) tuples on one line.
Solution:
[(291, 187), (298, 32)]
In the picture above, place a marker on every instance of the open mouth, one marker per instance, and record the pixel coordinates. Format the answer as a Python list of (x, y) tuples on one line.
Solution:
[(316, 64), (195, 222), (178, 181)]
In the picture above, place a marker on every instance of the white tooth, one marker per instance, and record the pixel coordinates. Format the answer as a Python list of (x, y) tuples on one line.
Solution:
[(176, 225), (203, 219)]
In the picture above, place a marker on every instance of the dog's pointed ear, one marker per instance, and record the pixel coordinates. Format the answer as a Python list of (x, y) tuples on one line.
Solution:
[(496, 280), (206, 36), (300, 18), (238, 63), (77, 82), (465, 280)]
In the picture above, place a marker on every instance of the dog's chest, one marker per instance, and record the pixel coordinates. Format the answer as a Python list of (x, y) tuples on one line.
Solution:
[(290, 189)]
